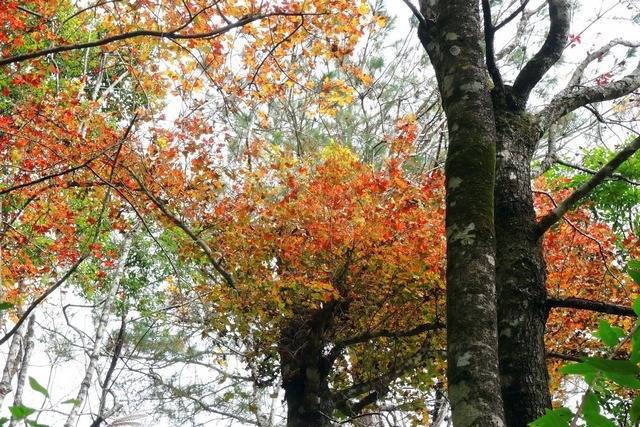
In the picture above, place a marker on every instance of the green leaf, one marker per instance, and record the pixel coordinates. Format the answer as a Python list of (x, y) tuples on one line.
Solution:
[(35, 423), (74, 402), (610, 335), (591, 412), (560, 417), (620, 367), (583, 369), (20, 412), (35, 385), (5, 306), (636, 306), (635, 346), (635, 410), (3, 421), (633, 269), (629, 381)]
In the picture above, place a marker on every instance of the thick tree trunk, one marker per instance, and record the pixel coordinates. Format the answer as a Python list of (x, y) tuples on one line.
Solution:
[(304, 372), (520, 274), (450, 33)]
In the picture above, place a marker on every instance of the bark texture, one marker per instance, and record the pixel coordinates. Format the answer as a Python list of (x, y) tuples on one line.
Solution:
[(450, 33), (24, 367), (101, 327), (304, 371), (14, 356), (478, 123), (520, 273)]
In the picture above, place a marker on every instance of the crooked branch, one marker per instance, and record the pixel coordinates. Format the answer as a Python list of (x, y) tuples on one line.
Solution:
[(549, 53), (606, 171), (173, 34)]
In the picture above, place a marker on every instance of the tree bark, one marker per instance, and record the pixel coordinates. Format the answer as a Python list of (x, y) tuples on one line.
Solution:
[(450, 32), (24, 367), (14, 357), (100, 330), (520, 273), (305, 370)]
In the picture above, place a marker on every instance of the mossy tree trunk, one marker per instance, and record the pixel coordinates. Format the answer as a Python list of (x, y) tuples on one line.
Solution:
[(479, 122), (450, 32), (520, 274)]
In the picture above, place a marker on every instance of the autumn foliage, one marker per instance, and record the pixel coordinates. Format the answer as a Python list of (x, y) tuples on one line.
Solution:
[(267, 237)]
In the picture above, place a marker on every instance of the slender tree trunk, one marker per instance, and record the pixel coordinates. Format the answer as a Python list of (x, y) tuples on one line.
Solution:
[(450, 33), (12, 364), (100, 330), (107, 383), (24, 367), (520, 273)]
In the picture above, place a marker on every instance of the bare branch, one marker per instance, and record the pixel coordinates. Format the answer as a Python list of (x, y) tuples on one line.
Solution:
[(591, 305), (42, 297), (523, 25), (549, 53), (552, 217), (416, 12), (489, 34), (578, 73), (573, 98), (384, 333), (512, 16)]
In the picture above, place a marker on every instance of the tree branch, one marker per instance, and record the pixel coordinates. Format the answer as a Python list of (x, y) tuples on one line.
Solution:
[(383, 333), (171, 34), (607, 170), (60, 173), (573, 98), (615, 176), (489, 35), (377, 387), (578, 73), (561, 356), (416, 12), (521, 29), (549, 53), (184, 227), (591, 305), (512, 16), (74, 267), (42, 297)]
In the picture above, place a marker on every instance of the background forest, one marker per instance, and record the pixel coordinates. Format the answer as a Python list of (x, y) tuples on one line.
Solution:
[(242, 212)]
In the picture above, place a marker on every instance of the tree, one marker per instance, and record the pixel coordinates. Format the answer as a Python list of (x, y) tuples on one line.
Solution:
[(88, 149), (497, 305)]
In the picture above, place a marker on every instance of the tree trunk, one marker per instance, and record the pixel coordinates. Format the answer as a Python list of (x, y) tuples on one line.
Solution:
[(14, 356), (450, 33), (304, 371), (100, 330), (24, 367), (520, 274)]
